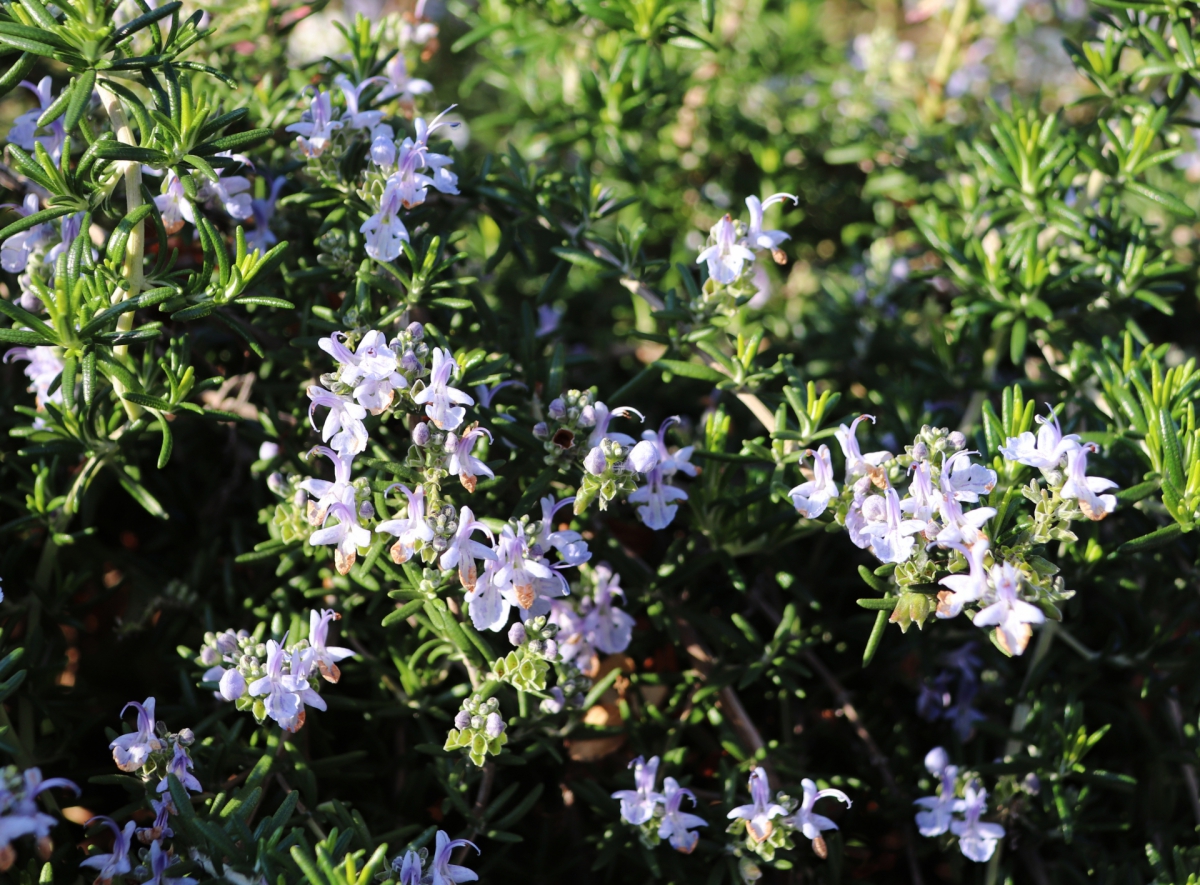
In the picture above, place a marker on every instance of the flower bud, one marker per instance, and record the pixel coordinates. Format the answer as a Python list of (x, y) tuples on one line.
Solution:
[(477, 722), (516, 634), (595, 463), (409, 362), (551, 649), (557, 409), (233, 685), (462, 720), (366, 510), (874, 509), (187, 737), (644, 456), (268, 450), (540, 430), (451, 444), (416, 330), (420, 434), (495, 725), (587, 417), (209, 656), (957, 440), (920, 451), (277, 484), (227, 642)]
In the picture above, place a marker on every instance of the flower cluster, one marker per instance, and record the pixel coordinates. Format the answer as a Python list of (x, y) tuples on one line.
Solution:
[(936, 535), (417, 867), (657, 815), (730, 256), (273, 679), (20, 814), (597, 625), (947, 813), (155, 752), (478, 728), (768, 825)]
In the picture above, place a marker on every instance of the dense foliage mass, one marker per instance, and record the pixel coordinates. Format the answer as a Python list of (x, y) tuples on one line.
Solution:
[(516, 440)]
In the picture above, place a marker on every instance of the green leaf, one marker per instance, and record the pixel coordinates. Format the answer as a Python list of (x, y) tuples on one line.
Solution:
[(34, 220), (691, 370), (582, 259), (881, 622), (143, 497), (1153, 194)]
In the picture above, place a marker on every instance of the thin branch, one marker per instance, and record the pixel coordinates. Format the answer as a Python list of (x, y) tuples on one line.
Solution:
[(481, 801)]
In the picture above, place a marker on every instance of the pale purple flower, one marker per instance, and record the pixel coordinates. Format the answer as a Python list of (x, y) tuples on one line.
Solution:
[(181, 766), (231, 191), (45, 365), (441, 871), (523, 578), (261, 237), (484, 394), (976, 839), (812, 497), (173, 204), (347, 536), (410, 866), (383, 147), (940, 809), (325, 657), (15, 252), (343, 428), (667, 461), (1047, 450), (549, 318), (340, 491), (598, 417), (414, 156), (923, 499), (968, 480), (573, 643), (24, 129), (658, 501), (160, 860), (892, 539), (463, 462), (132, 751), (384, 230), (399, 83), (964, 589), (19, 812), (677, 825), (956, 526), (371, 370), (410, 529), (463, 551), (438, 396), (858, 464), (1086, 489), (756, 237), (808, 821), (286, 695), (116, 863), (595, 462), (316, 126), (759, 814), (610, 628), (637, 805), (572, 548), (352, 117), (727, 255), (1006, 611)]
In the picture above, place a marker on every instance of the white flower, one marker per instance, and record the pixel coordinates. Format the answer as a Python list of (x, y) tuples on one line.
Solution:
[(399, 83), (325, 657), (968, 588), (463, 462), (858, 464), (958, 527), (812, 497), (805, 819), (347, 536), (1007, 612), (968, 480), (756, 237), (1047, 450), (1086, 489), (384, 230), (343, 429), (371, 369), (891, 540), (923, 499), (410, 529), (610, 627), (231, 191), (340, 491), (353, 117), (173, 204), (316, 127), (727, 255), (598, 417), (415, 156), (657, 500), (572, 548), (523, 578), (438, 395), (286, 694), (976, 839), (939, 810), (463, 550)]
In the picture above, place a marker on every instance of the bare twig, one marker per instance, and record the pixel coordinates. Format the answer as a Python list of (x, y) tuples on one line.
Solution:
[(481, 801)]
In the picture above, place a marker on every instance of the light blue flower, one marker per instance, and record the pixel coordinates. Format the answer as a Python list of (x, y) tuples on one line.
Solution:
[(1045, 451), (340, 491), (384, 231), (160, 860), (940, 809), (132, 751), (286, 694), (441, 871), (858, 464), (14, 254), (352, 117), (325, 657), (443, 403), (727, 255), (762, 811), (891, 540), (410, 529), (657, 500), (808, 821), (1006, 611), (399, 83), (24, 129), (812, 497), (343, 428), (316, 126), (638, 804), (676, 826), (968, 588), (463, 462), (346, 536), (116, 862), (463, 551), (180, 766), (976, 839), (609, 628)]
